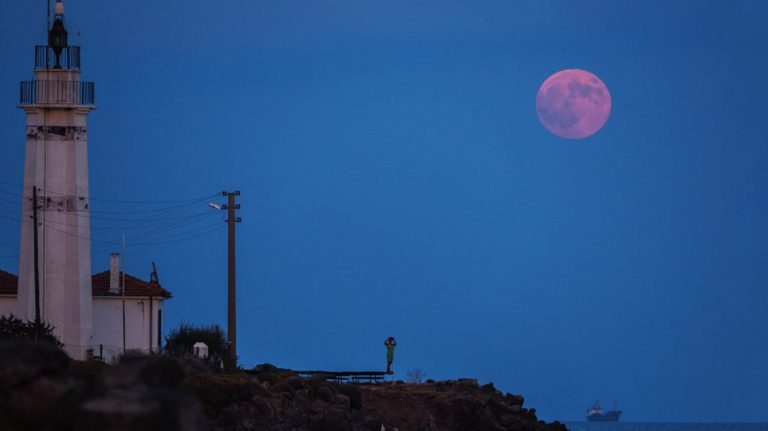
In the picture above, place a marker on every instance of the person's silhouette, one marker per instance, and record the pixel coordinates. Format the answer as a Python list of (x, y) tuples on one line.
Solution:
[(390, 343)]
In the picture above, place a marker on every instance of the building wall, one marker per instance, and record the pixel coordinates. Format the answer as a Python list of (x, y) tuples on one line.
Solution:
[(108, 323), (7, 305), (141, 326)]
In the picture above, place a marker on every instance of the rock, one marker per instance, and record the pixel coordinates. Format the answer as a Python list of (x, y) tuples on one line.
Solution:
[(36, 391), (531, 415), (42, 389), (325, 393), (23, 361), (354, 393), (488, 388), (143, 393), (39, 390), (295, 382), (337, 416), (281, 387), (515, 400), (314, 404)]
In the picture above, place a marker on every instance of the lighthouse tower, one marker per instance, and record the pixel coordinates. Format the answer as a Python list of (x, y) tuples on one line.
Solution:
[(57, 287)]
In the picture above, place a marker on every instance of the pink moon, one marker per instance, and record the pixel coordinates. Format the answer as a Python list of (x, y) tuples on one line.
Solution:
[(573, 104)]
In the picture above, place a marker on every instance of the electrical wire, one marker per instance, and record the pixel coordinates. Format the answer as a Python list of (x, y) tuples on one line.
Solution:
[(158, 215), (214, 229), (132, 202), (137, 228), (161, 222), (10, 218)]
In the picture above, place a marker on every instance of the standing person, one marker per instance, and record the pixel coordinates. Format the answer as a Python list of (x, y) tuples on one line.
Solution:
[(390, 343)]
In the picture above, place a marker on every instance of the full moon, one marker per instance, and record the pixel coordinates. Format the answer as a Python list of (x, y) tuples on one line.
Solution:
[(573, 103)]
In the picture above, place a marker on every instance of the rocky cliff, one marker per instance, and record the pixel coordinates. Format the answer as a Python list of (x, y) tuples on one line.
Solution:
[(42, 389), (268, 401)]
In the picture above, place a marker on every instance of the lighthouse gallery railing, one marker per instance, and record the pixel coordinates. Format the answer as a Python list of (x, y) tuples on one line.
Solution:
[(57, 93), (45, 58)]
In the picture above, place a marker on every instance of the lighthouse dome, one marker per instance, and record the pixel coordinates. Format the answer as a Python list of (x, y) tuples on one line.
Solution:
[(58, 10)]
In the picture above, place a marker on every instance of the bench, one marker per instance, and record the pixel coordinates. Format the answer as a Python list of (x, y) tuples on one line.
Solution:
[(356, 377)]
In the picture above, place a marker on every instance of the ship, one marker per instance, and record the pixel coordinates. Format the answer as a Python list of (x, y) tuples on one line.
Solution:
[(596, 414)]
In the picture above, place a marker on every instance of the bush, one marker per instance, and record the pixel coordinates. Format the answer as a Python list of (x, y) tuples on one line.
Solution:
[(269, 368), (282, 387), (182, 339), (11, 327), (131, 355), (268, 378), (415, 376), (355, 395)]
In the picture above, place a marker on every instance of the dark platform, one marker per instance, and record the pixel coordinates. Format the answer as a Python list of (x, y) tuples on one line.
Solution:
[(345, 376)]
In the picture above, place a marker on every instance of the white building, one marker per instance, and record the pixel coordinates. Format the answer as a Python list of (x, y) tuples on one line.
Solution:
[(58, 285), (144, 302)]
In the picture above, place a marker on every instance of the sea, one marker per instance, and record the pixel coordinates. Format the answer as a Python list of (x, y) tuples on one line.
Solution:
[(629, 426)]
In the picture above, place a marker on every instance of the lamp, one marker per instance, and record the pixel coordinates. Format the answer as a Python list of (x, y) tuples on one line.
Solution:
[(57, 36)]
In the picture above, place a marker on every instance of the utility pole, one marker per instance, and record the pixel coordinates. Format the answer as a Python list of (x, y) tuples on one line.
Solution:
[(125, 259), (231, 206), (37, 263)]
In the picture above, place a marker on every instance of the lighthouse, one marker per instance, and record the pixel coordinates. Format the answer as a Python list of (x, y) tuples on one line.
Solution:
[(54, 281)]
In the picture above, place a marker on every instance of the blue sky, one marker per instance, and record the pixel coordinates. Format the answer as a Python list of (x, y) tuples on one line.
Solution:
[(396, 181)]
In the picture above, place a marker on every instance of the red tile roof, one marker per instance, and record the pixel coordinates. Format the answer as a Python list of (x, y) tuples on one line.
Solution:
[(100, 282), (133, 286)]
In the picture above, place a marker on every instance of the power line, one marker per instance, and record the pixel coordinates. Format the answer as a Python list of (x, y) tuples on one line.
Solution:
[(12, 184), (148, 211), (11, 194), (170, 229), (153, 226), (162, 237), (172, 221), (97, 199), (156, 215), (157, 202), (146, 220), (75, 235), (211, 229), (10, 218), (155, 219), (9, 201), (130, 222)]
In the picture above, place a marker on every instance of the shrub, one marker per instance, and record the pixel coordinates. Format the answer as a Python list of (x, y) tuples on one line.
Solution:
[(281, 387), (355, 395), (269, 368), (415, 376), (131, 355), (295, 382), (11, 327), (182, 339), (267, 378)]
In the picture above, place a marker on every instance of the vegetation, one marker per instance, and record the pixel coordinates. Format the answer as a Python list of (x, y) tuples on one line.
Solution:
[(181, 340), (11, 327), (269, 368), (415, 375)]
